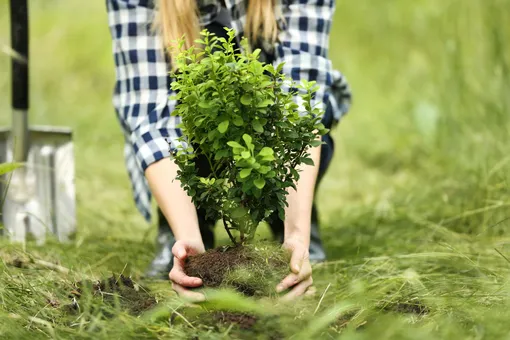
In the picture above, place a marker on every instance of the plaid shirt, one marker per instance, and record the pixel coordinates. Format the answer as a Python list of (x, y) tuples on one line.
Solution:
[(142, 90)]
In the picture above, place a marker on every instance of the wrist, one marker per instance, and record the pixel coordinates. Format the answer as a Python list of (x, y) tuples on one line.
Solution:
[(189, 235), (296, 234)]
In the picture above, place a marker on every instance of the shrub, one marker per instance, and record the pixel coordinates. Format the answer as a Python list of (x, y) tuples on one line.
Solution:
[(237, 115)]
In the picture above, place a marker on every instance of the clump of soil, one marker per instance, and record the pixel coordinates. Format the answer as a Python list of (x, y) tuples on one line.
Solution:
[(133, 298), (18, 263), (240, 325), (251, 270), (243, 320)]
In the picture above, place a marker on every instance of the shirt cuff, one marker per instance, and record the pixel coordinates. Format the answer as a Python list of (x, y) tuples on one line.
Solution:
[(150, 146)]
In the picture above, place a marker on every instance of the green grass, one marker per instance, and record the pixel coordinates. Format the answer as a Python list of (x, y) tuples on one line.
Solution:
[(414, 207)]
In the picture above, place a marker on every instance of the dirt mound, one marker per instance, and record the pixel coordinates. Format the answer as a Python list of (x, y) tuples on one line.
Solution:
[(132, 297), (212, 266), (252, 271), (243, 320)]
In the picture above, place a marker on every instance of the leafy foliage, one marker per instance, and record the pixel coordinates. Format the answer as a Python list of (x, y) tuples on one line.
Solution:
[(238, 118), (8, 167)]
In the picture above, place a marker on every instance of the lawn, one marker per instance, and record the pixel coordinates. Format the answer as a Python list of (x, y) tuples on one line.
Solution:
[(414, 208)]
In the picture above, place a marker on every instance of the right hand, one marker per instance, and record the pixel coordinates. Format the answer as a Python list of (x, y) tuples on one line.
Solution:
[(180, 281)]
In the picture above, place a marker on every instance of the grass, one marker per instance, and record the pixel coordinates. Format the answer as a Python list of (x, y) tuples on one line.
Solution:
[(414, 208)]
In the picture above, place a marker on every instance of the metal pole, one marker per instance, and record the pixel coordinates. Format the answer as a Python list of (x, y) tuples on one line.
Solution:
[(20, 86)]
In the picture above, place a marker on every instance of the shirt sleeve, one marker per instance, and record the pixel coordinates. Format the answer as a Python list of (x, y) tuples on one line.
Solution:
[(303, 45), (142, 87)]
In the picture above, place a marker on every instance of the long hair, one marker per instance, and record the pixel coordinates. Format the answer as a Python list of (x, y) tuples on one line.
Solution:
[(180, 18)]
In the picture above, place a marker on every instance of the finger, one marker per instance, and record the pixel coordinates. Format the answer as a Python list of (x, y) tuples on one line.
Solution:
[(298, 290), (289, 281), (296, 260), (187, 294), (292, 279), (178, 276)]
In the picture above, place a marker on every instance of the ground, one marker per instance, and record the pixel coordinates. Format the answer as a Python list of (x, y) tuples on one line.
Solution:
[(414, 209)]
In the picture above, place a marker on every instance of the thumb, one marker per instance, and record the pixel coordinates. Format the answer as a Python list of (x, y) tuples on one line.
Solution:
[(180, 250)]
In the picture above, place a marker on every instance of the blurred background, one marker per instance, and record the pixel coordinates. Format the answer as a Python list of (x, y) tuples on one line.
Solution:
[(422, 160)]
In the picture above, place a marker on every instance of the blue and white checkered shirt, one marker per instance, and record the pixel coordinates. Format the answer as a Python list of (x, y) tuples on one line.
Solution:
[(142, 89)]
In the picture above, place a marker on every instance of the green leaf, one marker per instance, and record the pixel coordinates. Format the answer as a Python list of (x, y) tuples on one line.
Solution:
[(8, 167), (245, 173), (199, 122), (264, 169), (220, 154), (266, 103), (235, 144), (306, 160), (266, 151), (223, 126), (245, 154), (247, 139), (259, 183), (316, 143), (269, 68), (257, 126), (246, 99), (211, 134), (205, 105), (281, 213), (238, 121), (292, 134), (239, 212), (247, 186), (268, 158), (294, 173)]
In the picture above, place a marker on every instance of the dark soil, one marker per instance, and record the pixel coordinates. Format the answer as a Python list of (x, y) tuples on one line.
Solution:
[(132, 297), (215, 267), (18, 263), (243, 320), (241, 325), (212, 265)]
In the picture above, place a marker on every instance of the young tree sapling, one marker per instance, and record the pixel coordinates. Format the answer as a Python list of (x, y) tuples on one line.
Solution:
[(236, 113), (240, 116)]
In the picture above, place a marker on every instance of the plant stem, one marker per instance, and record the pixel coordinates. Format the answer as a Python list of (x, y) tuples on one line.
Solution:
[(228, 230), (210, 165)]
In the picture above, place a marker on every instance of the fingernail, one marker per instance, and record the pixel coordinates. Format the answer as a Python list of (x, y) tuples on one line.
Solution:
[(279, 288)]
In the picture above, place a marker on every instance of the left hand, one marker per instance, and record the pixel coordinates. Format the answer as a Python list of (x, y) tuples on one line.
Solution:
[(300, 280)]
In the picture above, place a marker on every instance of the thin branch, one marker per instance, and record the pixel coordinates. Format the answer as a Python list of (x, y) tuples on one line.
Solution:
[(228, 230)]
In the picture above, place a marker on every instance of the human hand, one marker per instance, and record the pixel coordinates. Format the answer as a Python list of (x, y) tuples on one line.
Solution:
[(300, 280), (180, 281)]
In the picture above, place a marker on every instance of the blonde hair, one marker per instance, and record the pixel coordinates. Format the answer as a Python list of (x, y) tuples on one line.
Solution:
[(180, 18)]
